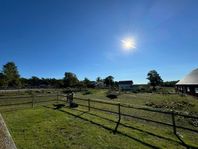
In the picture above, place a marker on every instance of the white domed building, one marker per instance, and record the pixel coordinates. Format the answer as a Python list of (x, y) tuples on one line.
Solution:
[(189, 84)]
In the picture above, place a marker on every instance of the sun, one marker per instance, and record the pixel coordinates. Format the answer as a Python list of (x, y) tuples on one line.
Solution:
[(128, 44)]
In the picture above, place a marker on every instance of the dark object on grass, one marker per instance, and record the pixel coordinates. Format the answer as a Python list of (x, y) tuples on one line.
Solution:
[(58, 106), (112, 95), (73, 105)]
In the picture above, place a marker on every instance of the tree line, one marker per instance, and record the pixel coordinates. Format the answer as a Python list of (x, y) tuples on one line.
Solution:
[(10, 78)]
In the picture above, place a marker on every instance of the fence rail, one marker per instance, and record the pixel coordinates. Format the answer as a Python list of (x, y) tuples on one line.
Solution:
[(29, 96), (118, 109), (178, 113), (27, 100), (33, 100), (171, 113)]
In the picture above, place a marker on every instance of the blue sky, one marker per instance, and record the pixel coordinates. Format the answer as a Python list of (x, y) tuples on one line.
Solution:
[(46, 38)]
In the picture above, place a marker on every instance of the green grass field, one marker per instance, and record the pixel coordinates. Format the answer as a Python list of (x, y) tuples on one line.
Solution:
[(156, 100), (45, 127)]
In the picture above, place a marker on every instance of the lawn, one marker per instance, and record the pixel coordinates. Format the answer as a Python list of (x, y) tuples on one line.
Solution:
[(183, 103), (48, 128), (45, 127)]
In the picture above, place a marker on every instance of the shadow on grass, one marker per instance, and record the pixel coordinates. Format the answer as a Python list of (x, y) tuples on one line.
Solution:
[(60, 106), (110, 129), (103, 126), (184, 144), (134, 128), (180, 141)]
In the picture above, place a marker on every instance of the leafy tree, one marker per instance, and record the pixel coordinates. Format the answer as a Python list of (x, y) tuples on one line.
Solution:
[(86, 82), (70, 79), (109, 81), (154, 78), (116, 84), (43, 82), (12, 77), (81, 84), (98, 79), (34, 81), (170, 83), (55, 83), (24, 82), (2, 80)]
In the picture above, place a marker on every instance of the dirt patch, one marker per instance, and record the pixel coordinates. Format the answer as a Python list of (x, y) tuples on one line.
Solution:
[(6, 141), (181, 105)]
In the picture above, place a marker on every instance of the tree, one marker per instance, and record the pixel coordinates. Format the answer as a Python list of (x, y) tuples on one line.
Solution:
[(98, 79), (109, 81), (154, 78), (34, 81), (86, 82), (2, 80), (70, 79), (170, 83), (24, 82), (11, 74)]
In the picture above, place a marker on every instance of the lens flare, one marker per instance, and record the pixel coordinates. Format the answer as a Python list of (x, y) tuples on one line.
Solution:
[(128, 44)]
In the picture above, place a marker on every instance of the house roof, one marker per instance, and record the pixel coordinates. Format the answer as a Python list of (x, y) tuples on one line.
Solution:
[(126, 82), (190, 79)]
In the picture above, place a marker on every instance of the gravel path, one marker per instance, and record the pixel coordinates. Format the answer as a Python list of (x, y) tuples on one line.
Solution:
[(6, 141)]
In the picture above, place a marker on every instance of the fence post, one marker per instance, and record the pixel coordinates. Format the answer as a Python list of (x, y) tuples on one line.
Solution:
[(119, 118), (32, 100), (57, 97), (88, 104), (119, 111), (173, 121)]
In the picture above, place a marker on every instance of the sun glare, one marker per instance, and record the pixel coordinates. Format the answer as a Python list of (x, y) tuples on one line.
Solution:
[(128, 44)]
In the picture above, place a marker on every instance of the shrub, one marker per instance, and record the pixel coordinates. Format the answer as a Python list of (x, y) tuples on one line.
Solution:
[(87, 92), (112, 95)]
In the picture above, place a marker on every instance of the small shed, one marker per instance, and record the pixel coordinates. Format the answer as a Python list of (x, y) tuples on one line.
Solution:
[(189, 84), (125, 85)]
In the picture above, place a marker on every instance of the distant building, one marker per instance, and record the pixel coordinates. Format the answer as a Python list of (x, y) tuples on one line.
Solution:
[(125, 85), (100, 84), (189, 84)]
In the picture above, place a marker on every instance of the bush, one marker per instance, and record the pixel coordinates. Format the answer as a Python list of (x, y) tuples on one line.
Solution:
[(112, 95), (87, 92)]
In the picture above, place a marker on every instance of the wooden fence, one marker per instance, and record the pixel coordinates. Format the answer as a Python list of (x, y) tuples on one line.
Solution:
[(27, 100), (172, 114), (33, 100), (88, 103)]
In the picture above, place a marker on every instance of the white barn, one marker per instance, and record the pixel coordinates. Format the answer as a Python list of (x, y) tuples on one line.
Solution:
[(189, 84)]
